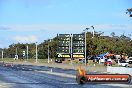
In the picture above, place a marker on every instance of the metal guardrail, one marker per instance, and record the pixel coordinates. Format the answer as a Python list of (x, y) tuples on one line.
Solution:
[(120, 70)]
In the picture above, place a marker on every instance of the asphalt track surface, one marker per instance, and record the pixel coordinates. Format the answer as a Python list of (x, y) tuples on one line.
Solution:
[(29, 76)]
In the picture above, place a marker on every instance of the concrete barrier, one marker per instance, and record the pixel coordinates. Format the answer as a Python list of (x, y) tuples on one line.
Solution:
[(120, 70)]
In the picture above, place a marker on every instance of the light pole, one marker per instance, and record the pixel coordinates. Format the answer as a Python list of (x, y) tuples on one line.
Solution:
[(36, 53), (16, 51), (16, 54), (71, 47), (93, 30), (48, 51), (2, 55), (27, 52), (85, 46), (70, 44)]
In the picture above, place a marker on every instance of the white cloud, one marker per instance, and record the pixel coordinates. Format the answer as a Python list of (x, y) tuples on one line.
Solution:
[(25, 39), (50, 30), (117, 28), (66, 27), (33, 33), (53, 29), (113, 26)]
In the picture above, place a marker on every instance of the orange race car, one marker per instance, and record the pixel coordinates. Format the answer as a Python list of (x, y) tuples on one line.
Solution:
[(82, 77)]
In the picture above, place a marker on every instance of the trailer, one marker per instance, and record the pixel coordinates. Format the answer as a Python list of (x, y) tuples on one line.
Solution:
[(82, 77)]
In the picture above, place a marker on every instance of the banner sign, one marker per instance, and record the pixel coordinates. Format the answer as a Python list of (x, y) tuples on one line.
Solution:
[(78, 55), (64, 55), (123, 78)]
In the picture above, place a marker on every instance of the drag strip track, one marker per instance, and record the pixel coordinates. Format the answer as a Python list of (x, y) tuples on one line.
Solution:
[(31, 78), (27, 76)]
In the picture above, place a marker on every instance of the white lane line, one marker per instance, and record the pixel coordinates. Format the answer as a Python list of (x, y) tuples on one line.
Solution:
[(30, 69), (119, 85), (70, 83), (58, 74), (6, 85)]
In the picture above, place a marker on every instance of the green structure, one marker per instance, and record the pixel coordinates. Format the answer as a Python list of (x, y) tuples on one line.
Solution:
[(78, 45), (64, 50), (71, 46)]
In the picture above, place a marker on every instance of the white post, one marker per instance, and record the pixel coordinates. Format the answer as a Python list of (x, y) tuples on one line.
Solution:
[(2, 55), (85, 49), (71, 50), (16, 51), (118, 62), (93, 33), (93, 30), (86, 46), (36, 53), (69, 44), (48, 52), (27, 52), (16, 54)]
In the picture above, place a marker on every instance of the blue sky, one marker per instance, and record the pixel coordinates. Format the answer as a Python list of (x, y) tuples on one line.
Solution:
[(28, 21)]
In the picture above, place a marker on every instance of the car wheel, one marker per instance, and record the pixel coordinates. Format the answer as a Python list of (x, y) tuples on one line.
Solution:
[(81, 79), (130, 62), (129, 80)]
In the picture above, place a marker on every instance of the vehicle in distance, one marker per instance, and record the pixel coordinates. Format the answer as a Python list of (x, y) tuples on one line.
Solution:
[(123, 63), (91, 57), (58, 61), (130, 60), (107, 63), (83, 61)]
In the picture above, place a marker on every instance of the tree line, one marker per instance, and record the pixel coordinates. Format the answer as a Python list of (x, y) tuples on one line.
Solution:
[(95, 45)]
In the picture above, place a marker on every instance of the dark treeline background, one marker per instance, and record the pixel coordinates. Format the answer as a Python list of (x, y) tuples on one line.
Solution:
[(95, 45)]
